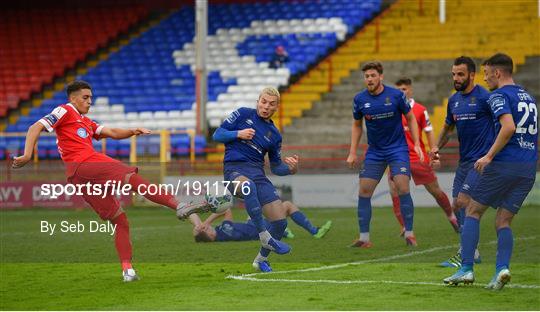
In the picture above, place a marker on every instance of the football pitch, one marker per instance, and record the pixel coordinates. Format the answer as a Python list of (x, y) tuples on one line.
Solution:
[(79, 271)]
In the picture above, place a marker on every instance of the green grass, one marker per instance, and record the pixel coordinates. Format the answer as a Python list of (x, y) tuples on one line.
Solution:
[(79, 271)]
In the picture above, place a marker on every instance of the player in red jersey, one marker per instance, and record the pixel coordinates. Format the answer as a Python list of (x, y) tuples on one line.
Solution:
[(422, 172), (74, 132)]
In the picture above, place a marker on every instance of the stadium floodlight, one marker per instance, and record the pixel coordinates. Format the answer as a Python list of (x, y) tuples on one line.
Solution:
[(201, 85)]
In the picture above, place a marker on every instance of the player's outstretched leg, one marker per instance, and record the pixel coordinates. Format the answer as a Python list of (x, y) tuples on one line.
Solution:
[(123, 247), (323, 229), (212, 203), (183, 210), (300, 218)]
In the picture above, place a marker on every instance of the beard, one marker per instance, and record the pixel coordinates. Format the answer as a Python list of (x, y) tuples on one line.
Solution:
[(462, 86), (374, 87)]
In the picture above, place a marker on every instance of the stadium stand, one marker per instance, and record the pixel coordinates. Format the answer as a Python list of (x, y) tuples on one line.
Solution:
[(428, 47), (150, 83), (36, 46)]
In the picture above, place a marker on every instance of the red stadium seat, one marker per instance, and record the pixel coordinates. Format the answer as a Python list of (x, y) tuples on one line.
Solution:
[(36, 46)]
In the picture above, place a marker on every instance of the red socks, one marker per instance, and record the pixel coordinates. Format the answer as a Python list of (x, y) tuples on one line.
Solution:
[(443, 201), (121, 240), (167, 200), (397, 210)]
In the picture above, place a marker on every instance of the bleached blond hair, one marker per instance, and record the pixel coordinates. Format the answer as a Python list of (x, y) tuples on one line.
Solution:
[(270, 91)]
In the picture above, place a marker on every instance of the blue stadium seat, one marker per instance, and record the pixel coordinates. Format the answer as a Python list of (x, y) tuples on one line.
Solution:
[(144, 77)]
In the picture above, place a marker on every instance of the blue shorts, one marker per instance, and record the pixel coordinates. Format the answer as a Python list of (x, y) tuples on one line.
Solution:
[(376, 162), (266, 192), (500, 189), (465, 180)]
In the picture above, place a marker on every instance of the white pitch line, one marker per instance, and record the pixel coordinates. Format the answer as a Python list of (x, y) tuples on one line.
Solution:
[(277, 280), (383, 259), (341, 265)]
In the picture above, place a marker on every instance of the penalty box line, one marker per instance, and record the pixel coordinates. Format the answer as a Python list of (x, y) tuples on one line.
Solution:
[(341, 265)]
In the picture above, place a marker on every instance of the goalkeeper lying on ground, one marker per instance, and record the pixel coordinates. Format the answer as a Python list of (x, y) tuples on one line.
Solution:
[(228, 230)]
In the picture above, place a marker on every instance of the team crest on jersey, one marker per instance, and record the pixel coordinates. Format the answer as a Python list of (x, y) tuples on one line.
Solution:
[(82, 133), (473, 101), (387, 101)]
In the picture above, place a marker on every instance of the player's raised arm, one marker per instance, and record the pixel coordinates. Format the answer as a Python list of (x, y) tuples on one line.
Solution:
[(119, 134), (31, 138)]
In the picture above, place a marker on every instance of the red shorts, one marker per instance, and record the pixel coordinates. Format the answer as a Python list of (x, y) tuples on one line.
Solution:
[(99, 173), (422, 173)]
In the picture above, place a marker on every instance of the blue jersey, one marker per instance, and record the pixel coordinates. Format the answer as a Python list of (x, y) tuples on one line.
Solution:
[(472, 116), (267, 138), (234, 231), (383, 113), (522, 149)]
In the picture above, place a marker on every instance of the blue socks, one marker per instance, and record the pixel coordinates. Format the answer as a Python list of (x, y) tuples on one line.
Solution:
[(470, 234), (407, 210), (299, 218), (505, 244), (364, 213), (253, 207), (276, 229), (460, 216)]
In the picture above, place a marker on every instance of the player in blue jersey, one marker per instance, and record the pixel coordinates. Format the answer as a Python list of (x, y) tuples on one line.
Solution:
[(382, 108), (468, 112), (229, 230), (508, 170), (249, 134)]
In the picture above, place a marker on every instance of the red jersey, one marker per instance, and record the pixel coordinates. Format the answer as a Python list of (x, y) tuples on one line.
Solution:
[(74, 133), (422, 118)]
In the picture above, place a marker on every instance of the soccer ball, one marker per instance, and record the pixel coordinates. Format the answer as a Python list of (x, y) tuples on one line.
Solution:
[(219, 204)]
